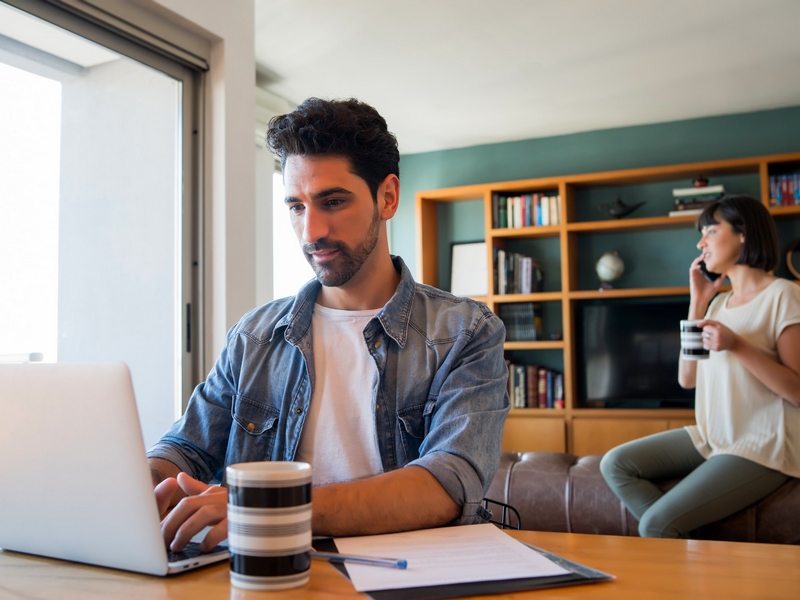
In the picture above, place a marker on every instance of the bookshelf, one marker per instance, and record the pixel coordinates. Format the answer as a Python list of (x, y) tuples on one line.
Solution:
[(570, 249)]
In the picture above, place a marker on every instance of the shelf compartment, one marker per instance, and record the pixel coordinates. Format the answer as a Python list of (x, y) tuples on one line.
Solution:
[(653, 259)]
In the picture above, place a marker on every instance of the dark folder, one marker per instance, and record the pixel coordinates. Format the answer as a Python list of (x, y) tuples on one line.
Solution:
[(579, 574)]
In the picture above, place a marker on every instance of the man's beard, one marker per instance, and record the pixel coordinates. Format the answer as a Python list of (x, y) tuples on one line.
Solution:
[(349, 261)]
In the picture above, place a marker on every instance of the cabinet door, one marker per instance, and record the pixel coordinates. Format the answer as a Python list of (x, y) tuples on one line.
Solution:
[(524, 433), (598, 436)]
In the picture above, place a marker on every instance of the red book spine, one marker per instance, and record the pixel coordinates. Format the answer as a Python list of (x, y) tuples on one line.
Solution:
[(542, 388)]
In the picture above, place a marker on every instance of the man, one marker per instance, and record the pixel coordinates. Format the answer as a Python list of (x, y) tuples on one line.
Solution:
[(393, 391)]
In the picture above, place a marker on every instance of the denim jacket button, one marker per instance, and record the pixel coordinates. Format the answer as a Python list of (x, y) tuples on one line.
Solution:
[(250, 427), (377, 344), (377, 407), (299, 411)]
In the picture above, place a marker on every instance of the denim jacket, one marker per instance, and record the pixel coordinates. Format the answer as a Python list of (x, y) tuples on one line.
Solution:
[(441, 397)]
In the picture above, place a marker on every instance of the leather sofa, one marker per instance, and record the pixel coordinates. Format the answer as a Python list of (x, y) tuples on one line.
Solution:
[(561, 492)]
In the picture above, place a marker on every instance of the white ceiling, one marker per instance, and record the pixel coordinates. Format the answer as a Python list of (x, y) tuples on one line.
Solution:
[(455, 73)]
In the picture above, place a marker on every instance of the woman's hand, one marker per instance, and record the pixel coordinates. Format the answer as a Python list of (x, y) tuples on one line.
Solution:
[(701, 290), (717, 337)]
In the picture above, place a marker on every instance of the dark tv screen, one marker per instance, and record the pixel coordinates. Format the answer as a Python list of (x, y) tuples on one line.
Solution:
[(628, 354)]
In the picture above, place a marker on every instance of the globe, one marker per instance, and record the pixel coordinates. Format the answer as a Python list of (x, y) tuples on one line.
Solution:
[(609, 267)]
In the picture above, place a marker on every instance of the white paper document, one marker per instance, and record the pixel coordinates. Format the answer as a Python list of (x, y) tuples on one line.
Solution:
[(443, 556)]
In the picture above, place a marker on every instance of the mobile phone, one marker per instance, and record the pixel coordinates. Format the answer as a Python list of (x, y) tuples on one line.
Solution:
[(711, 277)]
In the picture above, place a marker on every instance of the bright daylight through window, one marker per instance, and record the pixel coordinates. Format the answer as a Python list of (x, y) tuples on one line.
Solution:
[(90, 210), (30, 130)]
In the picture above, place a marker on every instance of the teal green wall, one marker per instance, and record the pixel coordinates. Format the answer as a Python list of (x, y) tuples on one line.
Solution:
[(733, 136)]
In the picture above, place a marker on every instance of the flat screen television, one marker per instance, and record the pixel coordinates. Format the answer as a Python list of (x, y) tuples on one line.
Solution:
[(628, 352)]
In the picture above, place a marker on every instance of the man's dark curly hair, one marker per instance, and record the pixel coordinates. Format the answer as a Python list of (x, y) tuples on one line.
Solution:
[(346, 128)]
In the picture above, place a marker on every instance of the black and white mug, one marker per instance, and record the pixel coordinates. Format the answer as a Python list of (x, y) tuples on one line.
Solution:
[(692, 341), (269, 524)]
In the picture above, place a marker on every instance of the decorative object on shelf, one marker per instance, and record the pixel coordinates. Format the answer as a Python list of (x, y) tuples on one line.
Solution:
[(693, 200), (793, 259), (700, 182), (468, 269), (609, 267), (619, 209)]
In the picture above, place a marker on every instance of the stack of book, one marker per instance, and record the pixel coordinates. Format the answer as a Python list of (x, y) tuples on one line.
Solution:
[(523, 321), (525, 210), (693, 200), (784, 190), (530, 386), (516, 273)]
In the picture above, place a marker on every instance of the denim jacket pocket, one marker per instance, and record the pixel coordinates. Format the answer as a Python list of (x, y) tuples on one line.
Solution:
[(415, 423), (254, 433)]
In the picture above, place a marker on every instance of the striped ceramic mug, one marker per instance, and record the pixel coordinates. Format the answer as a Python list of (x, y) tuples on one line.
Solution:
[(269, 524), (692, 347)]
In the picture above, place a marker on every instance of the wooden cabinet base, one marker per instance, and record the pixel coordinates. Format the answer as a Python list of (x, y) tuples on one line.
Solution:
[(598, 436), (532, 433)]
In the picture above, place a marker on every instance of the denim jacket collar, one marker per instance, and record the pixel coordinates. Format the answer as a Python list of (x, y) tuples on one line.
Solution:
[(394, 317)]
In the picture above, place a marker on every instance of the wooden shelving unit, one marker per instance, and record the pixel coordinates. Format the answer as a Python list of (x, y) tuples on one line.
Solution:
[(576, 429)]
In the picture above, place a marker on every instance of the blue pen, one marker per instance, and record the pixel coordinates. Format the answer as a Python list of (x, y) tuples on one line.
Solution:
[(395, 563)]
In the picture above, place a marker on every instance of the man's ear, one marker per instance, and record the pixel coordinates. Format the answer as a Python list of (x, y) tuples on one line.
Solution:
[(388, 196)]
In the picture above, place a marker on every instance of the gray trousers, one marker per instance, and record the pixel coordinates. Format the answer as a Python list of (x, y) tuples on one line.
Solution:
[(709, 491)]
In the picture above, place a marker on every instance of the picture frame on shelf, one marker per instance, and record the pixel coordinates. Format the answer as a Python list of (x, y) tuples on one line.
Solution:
[(468, 269)]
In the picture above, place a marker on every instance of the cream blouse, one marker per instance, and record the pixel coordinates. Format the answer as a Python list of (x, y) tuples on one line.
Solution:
[(736, 413)]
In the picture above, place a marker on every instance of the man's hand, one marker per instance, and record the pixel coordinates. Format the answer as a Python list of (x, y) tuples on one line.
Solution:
[(165, 491), (203, 506)]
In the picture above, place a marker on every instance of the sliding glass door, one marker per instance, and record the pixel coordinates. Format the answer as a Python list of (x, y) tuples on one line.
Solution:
[(99, 205)]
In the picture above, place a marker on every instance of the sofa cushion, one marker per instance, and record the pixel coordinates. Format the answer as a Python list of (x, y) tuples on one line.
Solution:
[(554, 491)]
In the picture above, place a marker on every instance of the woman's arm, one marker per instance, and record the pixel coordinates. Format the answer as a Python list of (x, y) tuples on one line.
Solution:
[(782, 377)]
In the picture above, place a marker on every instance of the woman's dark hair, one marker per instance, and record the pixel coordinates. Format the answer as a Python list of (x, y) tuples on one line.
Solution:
[(747, 216), (346, 128)]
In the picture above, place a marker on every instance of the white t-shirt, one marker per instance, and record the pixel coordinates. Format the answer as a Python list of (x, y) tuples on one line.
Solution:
[(736, 413), (339, 438)]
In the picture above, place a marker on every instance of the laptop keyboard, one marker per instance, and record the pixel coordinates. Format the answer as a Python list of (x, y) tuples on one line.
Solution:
[(192, 550)]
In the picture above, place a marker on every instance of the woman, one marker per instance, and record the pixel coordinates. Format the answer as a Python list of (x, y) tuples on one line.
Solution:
[(746, 443)]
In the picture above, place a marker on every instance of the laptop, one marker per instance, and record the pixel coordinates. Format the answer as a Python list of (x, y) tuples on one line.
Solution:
[(75, 480)]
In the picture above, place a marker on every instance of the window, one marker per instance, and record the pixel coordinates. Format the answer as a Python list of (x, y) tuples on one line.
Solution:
[(99, 209)]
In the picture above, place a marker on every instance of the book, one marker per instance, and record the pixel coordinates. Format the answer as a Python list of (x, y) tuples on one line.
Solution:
[(502, 211), (683, 213), (554, 210), (545, 211), (549, 388), (542, 388), (531, 386), (703, 201), (707, 190), (519, 386), (502, 284), (558, 391)]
